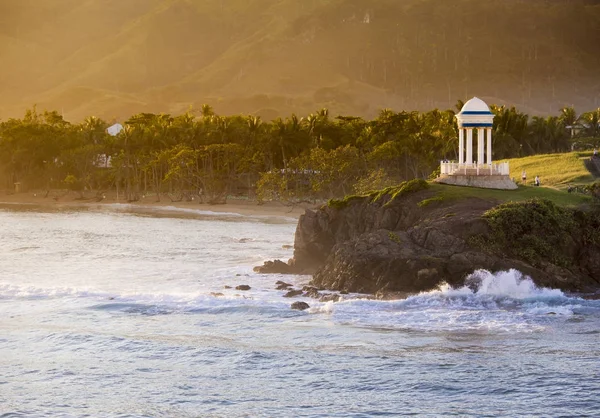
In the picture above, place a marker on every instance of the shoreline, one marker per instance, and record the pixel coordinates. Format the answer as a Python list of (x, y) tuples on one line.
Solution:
[(233, 206)]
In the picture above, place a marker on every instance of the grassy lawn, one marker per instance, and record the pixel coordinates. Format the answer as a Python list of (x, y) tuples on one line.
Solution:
[(554, 170), (560, 197)]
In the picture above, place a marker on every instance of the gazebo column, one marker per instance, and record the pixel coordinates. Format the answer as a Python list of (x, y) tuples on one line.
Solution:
[(469, 146), (461, 145), (480, 145), (489, 146)]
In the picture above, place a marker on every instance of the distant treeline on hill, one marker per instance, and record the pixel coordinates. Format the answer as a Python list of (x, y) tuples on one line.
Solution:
[(211, 157)]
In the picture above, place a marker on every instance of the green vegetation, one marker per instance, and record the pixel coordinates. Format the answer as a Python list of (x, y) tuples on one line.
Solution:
[(537, 230), (312, 158), (554, 170), (431, 200), (342, 203), (408, 187), (394, 238), (559, 197), (389, 193), (395, 192)]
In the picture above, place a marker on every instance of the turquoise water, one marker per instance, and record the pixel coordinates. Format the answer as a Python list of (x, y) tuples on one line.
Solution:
[(105, 312)]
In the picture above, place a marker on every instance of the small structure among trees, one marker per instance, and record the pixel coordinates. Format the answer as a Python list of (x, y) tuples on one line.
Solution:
[(475, 121)]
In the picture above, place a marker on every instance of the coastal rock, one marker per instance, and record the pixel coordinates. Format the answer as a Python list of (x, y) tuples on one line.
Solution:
[(329, 297), (243, 287), (292, 293), (385, 245), (274, 267), (300, 306), (282, 285), (311, 292)]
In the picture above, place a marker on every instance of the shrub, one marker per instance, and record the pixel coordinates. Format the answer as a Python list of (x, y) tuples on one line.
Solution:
[(342, 203), (427, 202), (392, 193), (394, 237), (533, 231), (375, 180)]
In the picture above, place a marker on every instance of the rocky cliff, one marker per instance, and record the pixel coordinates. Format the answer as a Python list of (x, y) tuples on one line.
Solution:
[(409, 238)]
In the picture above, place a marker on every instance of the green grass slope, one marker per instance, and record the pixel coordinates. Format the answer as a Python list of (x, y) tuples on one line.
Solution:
[(554, 170), (449, 193)]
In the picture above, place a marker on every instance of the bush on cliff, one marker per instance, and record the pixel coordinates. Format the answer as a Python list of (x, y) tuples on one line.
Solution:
[(594, 190), (534, 231), (391, 193), (396, 192), (342, 203)]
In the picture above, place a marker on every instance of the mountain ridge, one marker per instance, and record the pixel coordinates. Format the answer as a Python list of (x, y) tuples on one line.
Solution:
[(352, 56)]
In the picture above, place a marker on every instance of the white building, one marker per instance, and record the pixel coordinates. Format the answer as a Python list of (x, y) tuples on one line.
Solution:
[(475, 166), (114, 129)]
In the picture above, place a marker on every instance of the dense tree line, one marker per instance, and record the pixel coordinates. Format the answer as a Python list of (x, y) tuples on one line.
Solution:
[(206, 156)]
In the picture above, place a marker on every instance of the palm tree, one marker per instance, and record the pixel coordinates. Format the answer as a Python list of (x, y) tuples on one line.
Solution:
[(254, 123), (555, 130), (459, 105), (592, 122), (207, 111), (94, 129), (323, 113), (569, 118), (281, 133), (311, 123)]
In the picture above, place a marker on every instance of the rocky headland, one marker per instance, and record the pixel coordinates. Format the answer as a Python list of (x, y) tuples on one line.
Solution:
[(416, 236)]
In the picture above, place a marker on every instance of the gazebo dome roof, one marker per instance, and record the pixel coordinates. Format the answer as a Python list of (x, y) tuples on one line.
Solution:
[(475, 106)]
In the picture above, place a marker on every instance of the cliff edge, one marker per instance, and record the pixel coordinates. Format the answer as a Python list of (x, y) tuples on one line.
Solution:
[(413, 237)]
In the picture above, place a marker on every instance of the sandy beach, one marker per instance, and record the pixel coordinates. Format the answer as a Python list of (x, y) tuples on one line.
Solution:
[(238, 206)]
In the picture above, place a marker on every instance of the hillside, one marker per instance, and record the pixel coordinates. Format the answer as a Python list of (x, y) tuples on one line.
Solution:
[(113, 58), (555, 170)]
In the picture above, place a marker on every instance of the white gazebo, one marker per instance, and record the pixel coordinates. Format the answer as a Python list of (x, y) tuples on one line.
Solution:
[(475, 120)]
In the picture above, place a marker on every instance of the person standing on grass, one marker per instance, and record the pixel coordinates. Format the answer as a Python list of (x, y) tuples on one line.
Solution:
[(537, 181), (524, 177)]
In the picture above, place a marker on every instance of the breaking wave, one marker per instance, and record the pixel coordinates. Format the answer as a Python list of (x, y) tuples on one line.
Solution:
[(505, 301)]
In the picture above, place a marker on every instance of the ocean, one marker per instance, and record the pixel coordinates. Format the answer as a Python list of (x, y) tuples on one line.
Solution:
[(108, 311)]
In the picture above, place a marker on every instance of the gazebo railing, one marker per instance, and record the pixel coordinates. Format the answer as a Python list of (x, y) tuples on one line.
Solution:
[(494, 169)]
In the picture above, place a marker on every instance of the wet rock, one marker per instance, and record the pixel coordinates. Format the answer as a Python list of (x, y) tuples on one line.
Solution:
[(311, 292), (282, 285), (243, 287), (395, 245), (300, 306), (226, 287), (217, 294), (287, 247), (274, 267), (292, 293), (330, 297)]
